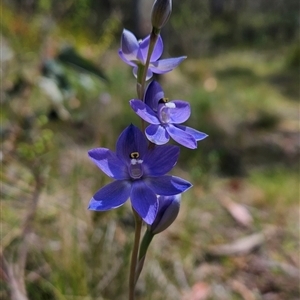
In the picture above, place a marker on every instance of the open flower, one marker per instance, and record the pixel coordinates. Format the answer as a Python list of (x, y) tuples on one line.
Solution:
[(139, 173), (164, 117), (134, 53)]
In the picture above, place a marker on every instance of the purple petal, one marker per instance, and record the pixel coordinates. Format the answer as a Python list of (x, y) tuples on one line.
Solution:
[(180, 113), (148, 76), (160, 160), (143, 50), (129, 45), (144, 201), (181, 137), (157, 134), (111, 196), (165, 65), (158, 50), (131, 140), (167, 185), (168, 209), (198, 135), (123, 57), (109, 163), (144, 111), (153, 94)]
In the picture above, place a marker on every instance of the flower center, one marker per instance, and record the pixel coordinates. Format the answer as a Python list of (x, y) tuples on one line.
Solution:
[(164, 107), (135, 168)]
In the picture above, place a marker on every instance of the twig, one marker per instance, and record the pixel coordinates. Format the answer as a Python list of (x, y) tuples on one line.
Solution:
[(17, 290), (15, 272), (27, 225)]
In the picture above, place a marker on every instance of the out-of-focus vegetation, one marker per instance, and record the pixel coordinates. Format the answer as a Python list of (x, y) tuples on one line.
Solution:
[(242, 80)]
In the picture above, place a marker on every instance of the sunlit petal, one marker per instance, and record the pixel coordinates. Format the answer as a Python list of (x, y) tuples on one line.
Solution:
[(111, 196), (180, 113), (198, 135), (109, 163), (127, 59), (129, 45), (144, 111), (181, 137), (157, 134), (165, 65), (168, 185)]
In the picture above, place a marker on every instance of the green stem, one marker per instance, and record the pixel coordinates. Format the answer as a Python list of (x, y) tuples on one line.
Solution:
[(148, 236), (134, 254), (142, 70), (141, 80)]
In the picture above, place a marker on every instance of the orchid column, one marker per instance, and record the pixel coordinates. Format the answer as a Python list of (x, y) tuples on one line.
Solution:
[(141, 161)]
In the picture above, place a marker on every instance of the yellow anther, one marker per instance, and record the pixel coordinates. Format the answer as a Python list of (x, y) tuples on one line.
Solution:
[(164, 100), (134, 155)]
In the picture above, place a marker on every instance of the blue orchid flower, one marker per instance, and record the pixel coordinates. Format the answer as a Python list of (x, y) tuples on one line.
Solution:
[(139, 173), (134, 53), (164, 117)]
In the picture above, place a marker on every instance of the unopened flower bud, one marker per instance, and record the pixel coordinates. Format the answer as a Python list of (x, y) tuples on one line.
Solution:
[(161, 12), (168, 209)]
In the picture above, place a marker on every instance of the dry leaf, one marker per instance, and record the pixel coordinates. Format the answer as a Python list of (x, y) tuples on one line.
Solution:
[(242, 290), (243, 245), (200, 291), (239, 212)]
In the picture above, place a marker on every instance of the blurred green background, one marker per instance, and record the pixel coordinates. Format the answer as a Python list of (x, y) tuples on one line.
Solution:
[(64, 90)]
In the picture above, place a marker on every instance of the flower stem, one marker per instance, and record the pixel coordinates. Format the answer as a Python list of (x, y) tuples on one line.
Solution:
[(134, 254), (148, 236), (153, 39), (140, 87), (142, 69)]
